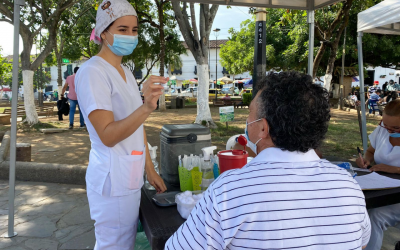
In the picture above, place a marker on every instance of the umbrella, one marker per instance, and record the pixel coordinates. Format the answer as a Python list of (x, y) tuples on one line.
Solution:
[(248, 83), (225, 79), (193, 80), (219, 83), (6, 89), (172, 78)]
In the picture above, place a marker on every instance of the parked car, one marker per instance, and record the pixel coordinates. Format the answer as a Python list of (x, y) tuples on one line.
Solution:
[(211, 93)]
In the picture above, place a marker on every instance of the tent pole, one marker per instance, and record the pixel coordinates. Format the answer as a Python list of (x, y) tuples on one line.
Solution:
[(362, 92), (14, 103), (310, 20)]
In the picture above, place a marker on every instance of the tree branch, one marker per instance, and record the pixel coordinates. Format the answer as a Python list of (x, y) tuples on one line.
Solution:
[(183, 25), (148, 19), (7, 21), (194, 25)]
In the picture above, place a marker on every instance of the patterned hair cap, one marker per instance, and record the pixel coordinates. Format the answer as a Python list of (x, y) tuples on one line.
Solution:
[(109, 11)]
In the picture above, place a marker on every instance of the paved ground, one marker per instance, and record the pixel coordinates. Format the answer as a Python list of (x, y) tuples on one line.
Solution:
[(56, 216)]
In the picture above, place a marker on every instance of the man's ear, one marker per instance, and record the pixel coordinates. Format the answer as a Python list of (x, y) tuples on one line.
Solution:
[(264, 133)]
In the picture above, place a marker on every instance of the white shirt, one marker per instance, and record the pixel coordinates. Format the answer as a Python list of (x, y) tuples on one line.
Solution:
[(384, 151), (280, 200), (99, 86)]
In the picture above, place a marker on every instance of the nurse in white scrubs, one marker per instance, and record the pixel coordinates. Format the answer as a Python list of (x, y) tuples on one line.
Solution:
[(111, 104), (385, 151)]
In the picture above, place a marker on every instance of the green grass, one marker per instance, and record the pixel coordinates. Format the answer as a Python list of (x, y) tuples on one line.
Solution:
[(3, 108), (344, 137), (37, 127), (221, 134)]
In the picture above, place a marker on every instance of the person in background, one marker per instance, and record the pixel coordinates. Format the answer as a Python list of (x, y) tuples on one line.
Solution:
[(373, 89), (384, 87), (385, 152), (373, 101), (286, 197), (73, 100), (393, 86), (55, 95)]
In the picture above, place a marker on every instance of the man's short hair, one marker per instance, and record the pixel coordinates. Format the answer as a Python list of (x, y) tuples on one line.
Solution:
[(296, 109), (76, 70), (378, 91), (393, 108), (391, 81)]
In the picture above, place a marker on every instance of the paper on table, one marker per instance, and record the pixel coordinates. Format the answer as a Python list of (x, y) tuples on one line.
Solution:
[(375, 181), (361, 170)]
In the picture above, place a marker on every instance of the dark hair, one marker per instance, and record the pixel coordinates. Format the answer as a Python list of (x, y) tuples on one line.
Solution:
[(393, 108), (392, 96), (76, 70), (378, 91), (296, 109)]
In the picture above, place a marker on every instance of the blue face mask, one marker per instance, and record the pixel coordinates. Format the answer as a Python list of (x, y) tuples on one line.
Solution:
[(394, 135), (123, 45), (250, 144)]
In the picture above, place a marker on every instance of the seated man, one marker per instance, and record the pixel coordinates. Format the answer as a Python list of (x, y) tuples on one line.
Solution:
[(287, 197)]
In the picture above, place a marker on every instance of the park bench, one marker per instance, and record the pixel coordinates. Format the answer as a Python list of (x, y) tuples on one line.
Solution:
[(47, 110), (218, 103)]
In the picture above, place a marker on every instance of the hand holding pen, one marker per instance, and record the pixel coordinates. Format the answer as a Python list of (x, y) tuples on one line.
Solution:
[(361, 162)]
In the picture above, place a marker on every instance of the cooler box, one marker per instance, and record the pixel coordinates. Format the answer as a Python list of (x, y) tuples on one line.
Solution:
[(184, 139)]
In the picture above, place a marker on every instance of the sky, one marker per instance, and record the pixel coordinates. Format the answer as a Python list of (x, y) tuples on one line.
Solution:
[(224, 20)]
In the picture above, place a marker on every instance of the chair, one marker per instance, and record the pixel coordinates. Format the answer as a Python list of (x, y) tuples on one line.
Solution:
[(373, 106)]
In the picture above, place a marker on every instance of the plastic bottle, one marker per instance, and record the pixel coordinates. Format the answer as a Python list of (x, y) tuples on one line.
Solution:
[(153, 155), (214, 161), (207, 167)]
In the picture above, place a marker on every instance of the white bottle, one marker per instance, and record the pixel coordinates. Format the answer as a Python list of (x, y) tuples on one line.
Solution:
[(153, 155), (207, 167)]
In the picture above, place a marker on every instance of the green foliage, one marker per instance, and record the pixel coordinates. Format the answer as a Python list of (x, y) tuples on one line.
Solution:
[(5, 69), (247, 98), (287, 41)]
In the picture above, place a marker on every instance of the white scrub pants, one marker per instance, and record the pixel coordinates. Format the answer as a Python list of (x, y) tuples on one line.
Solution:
[(382, 218), (116, 218)]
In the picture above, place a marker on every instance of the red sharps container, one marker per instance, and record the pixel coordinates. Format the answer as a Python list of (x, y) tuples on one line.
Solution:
[(232, 159)]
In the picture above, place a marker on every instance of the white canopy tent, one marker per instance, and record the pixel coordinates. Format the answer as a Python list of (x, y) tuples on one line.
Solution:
[(383, 18)]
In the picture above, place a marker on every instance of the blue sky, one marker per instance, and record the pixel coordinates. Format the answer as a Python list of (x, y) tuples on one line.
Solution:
[(224, 20)]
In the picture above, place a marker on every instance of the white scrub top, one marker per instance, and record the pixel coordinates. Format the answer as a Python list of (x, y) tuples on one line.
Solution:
[(385, 153), (99, 86)]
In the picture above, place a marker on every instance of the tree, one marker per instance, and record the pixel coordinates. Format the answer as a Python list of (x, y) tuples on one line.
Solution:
[(35, 16), (198, 43), (5, 69), (158, 14)]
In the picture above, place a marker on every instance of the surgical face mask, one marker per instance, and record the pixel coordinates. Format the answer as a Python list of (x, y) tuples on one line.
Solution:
[(394, 135), (252, 146), (123, 45)]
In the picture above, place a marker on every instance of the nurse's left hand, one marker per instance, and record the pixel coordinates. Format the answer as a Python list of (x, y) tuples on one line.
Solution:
[(156, 181), (385, 168)]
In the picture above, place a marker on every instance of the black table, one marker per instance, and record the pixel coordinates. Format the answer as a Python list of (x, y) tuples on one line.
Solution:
[(159, 223), (381, 198)]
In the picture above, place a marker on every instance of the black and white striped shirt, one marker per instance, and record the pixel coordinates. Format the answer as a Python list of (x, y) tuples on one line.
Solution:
[(280, 200)]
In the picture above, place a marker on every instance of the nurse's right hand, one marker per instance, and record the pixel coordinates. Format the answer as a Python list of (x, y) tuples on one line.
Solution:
[(362, 164), (152, 90)]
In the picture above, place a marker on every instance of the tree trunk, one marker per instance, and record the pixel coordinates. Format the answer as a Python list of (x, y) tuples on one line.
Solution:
[(59, 70), (29, 98), (162, 105), (198, 45), (203, 108)]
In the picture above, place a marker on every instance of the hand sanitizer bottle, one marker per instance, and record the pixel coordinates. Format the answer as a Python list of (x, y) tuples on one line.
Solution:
[(207, 167)]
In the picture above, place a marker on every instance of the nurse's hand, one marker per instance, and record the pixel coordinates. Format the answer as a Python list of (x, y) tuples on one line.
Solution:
[(152, 90), (360, 163), (386, 168), (156, 181)]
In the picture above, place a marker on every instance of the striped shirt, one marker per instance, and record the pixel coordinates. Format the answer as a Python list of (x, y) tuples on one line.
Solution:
[(280, 200)]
